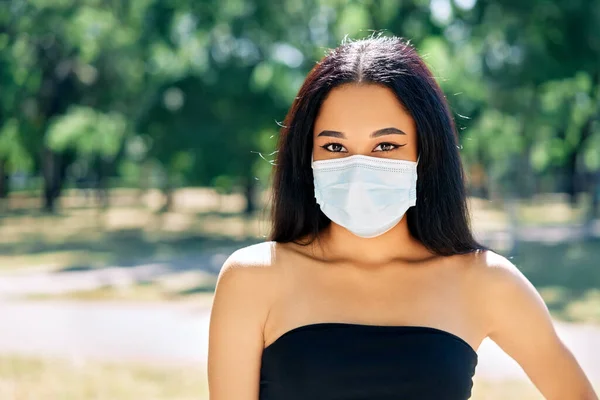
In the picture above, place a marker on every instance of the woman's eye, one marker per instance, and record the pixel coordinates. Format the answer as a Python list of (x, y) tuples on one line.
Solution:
[(385, 147), (334, 147)]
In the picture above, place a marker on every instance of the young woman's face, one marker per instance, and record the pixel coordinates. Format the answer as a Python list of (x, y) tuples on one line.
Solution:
[(364, 119)]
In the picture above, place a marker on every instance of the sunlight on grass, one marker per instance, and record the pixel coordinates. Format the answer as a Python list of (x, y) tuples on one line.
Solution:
[(131, 229), (135, 293), (551, 209), (53, 260), (504, 390), (194, 287), (34, 379), (586, 308), (508, 390), (76, 238)]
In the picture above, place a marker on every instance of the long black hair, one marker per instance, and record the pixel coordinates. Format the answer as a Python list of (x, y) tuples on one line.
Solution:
[(440, 218)]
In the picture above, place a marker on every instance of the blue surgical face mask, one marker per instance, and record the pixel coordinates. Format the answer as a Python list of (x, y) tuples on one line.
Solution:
[(366, 195)]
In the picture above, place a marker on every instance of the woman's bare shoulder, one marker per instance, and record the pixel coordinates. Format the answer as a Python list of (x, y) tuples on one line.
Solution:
[(261, 260), (489, 267), (246, 287), (484, 273), (500, 286), (249, 266), (252, 271), (255, 255)]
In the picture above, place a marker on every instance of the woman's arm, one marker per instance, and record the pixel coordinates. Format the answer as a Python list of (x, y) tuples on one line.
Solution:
[(235, 341), (521, 325)]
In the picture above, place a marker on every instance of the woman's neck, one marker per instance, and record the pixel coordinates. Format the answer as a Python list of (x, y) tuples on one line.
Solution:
[(337, 244)]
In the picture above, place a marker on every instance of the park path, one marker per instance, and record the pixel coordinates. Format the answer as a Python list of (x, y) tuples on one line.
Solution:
[(170, 333)]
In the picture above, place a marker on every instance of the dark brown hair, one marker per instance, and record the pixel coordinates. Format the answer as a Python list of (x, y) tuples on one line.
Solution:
[(440, 218)]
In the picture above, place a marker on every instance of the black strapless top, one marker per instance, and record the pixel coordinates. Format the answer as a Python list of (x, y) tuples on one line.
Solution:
[(346, 361)]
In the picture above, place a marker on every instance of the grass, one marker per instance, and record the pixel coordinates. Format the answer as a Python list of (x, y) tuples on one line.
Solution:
[(81, 236), (192, 286), (503, 390), (508, 389), (566, 275), (75, 240), (201, 295), (23, 378)]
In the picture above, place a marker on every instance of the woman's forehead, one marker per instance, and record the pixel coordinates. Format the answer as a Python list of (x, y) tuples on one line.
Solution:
[(361, 108)]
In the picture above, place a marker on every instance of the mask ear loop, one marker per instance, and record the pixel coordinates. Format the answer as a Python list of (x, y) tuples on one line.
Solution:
[(418, 157)]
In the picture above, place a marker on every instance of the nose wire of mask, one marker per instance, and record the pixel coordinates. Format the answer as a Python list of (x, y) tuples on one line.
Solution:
[(366, 195)]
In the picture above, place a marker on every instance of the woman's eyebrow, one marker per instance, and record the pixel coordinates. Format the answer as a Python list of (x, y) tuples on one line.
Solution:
[(387, 131), (377, 133), (334, 134)]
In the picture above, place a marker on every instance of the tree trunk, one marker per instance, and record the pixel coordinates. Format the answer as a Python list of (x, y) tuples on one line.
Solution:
[(3, 185), (51, 171), (572, 187), (512, 212), (574, 177), (143, 183), (102, 197), (168, 193), (595, 195), (3, 179), (250, 193), (524, 176), (594, 186)]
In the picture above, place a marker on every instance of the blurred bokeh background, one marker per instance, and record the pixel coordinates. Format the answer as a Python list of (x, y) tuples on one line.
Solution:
[(136, 142)]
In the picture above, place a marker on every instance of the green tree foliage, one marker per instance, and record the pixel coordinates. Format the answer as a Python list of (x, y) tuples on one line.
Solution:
[(197, 87)]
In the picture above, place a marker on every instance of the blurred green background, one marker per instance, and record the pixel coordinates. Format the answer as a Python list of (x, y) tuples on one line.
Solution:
[(137, 139)]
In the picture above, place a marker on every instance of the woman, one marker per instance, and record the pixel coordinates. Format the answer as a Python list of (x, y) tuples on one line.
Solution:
[(372, 286)]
